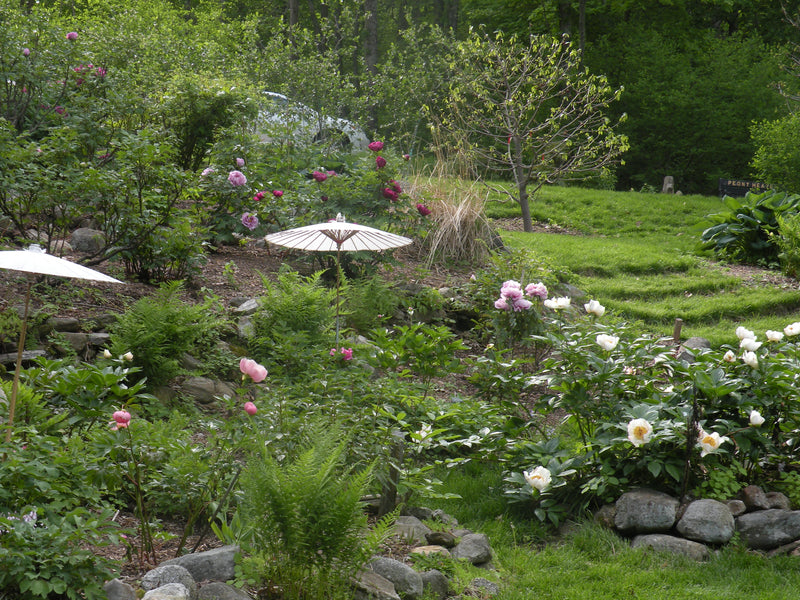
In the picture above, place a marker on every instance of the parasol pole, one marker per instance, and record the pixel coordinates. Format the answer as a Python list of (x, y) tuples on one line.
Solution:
[(12, 404)]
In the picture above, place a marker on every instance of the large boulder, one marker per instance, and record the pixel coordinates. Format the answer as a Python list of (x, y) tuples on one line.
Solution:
[(218, 564), (407, 582), (661, 542), (368, 585), (767, 529), (435, 584), (707, 521), (474, 548), (169, 574), (645, 511)]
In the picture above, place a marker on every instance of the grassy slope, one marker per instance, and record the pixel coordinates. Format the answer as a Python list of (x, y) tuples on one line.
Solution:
[(636, 255), (591, 563)]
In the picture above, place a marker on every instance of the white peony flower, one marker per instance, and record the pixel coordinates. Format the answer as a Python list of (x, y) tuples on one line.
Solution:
[(607, 342), (595, 308), (792, 330), (557, 303), (709, 442), (639, 432), (743, 333), (750, 359), (729, 356), (756, 420), (538, 478), (750, 344), (774, 336)]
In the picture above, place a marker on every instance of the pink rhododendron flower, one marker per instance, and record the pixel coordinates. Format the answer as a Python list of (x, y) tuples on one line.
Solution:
[(253, 370), (539, 290), (390, 194), (72, 36), (375, 146), (237, 178), (380, 162), (239, 163), (277, 193), (250, 408), (250, 221), (319, 176), (26, 52), (423, 210)]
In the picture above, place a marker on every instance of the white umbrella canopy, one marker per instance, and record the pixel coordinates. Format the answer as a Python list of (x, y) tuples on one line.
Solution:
[(337, 235), (36, 261)]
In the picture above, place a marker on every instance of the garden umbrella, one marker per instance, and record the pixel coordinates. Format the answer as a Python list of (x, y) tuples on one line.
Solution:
[(335, 236), (35, 260)]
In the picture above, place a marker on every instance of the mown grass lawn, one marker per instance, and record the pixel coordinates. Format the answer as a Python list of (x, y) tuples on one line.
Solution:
[(637, 254)]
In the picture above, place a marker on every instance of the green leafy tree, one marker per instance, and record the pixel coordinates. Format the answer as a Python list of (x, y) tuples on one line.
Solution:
[(527, 109)]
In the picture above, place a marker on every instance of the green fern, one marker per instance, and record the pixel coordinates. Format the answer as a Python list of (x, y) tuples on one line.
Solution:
[(306, 517)]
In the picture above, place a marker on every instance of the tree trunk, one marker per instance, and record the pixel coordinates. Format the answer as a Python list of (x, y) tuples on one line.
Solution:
[(371, 55), (522, 188), (293, 7)]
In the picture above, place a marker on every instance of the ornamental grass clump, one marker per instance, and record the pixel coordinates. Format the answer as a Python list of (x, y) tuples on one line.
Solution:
[(459, 231)]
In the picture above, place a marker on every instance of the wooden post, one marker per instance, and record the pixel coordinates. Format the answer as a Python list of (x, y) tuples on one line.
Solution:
[(676, 332)]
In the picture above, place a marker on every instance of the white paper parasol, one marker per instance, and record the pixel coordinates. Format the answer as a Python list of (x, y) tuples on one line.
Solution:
[(336, 236), (36, 261)]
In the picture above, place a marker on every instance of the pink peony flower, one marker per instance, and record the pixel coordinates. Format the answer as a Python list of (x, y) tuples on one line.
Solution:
[(406, 157), (60, 110), (390, 194), (239, 163), (26, 52), (375, 146), (536, 289), (501, 304), (347, 353), (207, 171), (395, 186), (319, 176), (380, 162), (121, 419), (277, 193), (253, 370), (331, 173), (423, 210), (237, 178), (250, 221), (250, 408), (521, 304), (101, 72), (258, 196), (72, 36)]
